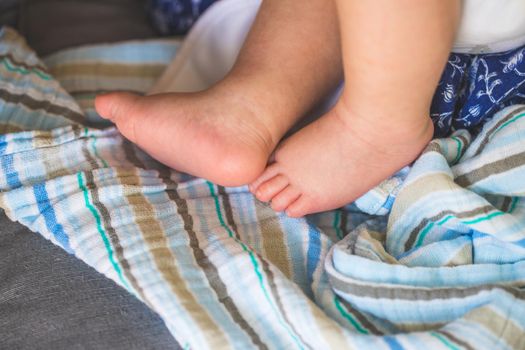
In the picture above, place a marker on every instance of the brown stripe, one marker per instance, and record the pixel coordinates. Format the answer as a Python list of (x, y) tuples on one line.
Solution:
[(77, 131), (113, 236), (505, 206), (209, 269), (85, 152), (166, 263), (228, 211), (344, 222), (500, 325), (108, 70), (44, 138), (106, 221), (7, 128), (53, 170), (417, 327), (273, 240), (398, 292), (351, 241), (45, 106), (490, 169), (18, 63), (492, 131), (464, 214), (418, 190), (360, 317), (456, 340), (264, 263), (275, 293), (433, 146)]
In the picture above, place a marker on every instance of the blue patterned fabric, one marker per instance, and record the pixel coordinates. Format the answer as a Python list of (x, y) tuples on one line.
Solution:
[(175, 17), (474, 87)]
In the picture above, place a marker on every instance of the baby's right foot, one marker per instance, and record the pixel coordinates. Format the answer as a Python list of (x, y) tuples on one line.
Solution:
[(220, 138), (339, 157)]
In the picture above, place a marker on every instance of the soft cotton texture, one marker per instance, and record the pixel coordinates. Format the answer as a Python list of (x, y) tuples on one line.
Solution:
[(431, 258)]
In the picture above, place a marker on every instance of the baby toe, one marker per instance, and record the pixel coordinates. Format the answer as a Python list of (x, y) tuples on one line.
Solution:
[(269, 189), (283, 199), (270, 172), (300, 207)]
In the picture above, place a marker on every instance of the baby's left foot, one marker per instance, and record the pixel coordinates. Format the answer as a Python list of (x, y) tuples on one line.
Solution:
[(336, 159)]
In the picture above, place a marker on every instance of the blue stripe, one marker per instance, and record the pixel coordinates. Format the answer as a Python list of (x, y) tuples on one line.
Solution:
[(313, 253), (46, 209), (155, 52), (392, 342), (3, 144), (389, 202), (6, 162), (11, 175), (44, 206)]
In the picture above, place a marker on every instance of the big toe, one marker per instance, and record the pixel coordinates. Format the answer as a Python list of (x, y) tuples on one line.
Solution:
[(122, 109), (116, 105)]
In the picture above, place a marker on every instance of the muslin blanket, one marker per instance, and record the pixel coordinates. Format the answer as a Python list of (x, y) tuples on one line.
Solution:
[(433, 258)]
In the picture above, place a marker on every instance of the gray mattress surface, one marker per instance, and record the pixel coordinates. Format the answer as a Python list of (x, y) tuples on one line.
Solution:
[(51, 300)]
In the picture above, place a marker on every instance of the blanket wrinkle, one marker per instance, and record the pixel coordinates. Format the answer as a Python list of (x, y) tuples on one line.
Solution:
[(433, 257)]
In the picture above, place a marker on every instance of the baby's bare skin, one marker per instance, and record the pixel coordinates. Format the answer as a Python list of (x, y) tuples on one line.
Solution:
[(393, 54), (226, 134)]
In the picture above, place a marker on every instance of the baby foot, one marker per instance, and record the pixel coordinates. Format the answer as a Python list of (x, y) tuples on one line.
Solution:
[(336, 159), (219, 138)]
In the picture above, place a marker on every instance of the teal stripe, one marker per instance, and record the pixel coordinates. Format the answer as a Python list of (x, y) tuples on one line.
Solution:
[(256, 266), (519, 116), (100, 230), (423, 233), (444, 341), (485, 218), (427, 228), (475, 221), (24, 71), (337, 222), (349, 317), (445, 219), (94, 148)]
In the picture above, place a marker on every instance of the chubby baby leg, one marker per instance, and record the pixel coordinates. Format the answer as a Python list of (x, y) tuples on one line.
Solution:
[(394, 53)]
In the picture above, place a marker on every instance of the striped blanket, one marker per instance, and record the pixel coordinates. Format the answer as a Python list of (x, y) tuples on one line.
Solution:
[(432, 258)]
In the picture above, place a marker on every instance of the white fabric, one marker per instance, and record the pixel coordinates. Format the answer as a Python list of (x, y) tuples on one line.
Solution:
[(491, 26), (211, 47)]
